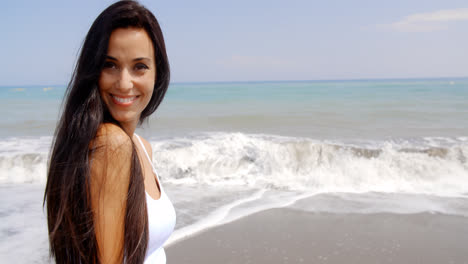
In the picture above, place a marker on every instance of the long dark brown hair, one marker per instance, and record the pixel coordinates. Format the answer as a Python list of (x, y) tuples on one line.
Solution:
[(72, 235)]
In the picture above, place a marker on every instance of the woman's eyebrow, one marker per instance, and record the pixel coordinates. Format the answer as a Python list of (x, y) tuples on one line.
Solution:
[(111, 58), (141, 58), (135, 59)]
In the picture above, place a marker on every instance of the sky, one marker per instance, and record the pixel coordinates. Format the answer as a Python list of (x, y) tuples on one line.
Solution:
[(255, 40)]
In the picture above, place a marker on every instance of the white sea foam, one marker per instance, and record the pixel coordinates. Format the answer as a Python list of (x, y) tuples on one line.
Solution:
[(369, 203), (216, 178), (403, 176), (434, 166), (23, 145), (23, 225), (211, 219), (24, 160), (299, 164)]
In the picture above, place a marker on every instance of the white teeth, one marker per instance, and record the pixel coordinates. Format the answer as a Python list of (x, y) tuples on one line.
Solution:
[(124, 100)]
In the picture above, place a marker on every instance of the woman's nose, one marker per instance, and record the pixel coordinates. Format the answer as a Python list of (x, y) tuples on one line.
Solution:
[(125, 80)]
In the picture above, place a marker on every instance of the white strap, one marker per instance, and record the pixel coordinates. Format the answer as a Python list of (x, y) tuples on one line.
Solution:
[(158, 183), (144, 149)]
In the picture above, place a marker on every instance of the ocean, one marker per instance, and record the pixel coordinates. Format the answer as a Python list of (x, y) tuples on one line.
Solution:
[(226, 150)]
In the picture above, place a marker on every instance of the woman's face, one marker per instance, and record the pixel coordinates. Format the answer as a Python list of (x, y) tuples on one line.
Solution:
[(127, 79)]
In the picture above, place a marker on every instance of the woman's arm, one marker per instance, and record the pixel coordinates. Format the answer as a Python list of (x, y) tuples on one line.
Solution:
[(110, 174)]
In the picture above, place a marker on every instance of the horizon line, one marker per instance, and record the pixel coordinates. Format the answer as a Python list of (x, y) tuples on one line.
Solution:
[(276, 81)]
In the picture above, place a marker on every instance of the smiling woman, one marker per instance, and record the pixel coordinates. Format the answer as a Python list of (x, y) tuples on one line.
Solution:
[(105, 203), (127, 80)]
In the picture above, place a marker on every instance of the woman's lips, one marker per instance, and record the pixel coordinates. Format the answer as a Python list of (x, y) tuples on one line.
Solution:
[(123, 101)]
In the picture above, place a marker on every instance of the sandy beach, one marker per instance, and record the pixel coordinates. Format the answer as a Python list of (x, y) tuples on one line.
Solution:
[(292, 236)]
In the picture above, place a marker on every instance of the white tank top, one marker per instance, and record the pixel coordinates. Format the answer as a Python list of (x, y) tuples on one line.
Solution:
[(161, 220)]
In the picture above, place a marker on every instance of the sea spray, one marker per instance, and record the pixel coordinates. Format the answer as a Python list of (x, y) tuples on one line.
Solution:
[(301, 164), (435, 166)]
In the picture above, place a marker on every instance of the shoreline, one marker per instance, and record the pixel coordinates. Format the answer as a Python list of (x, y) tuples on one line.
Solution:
[(287, 235)]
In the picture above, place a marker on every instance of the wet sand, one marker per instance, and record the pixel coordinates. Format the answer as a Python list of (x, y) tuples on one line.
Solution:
[(292, 236)]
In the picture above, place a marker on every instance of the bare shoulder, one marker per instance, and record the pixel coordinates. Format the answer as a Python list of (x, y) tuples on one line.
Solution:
[(112, 137), (111, 154), (147, 147)]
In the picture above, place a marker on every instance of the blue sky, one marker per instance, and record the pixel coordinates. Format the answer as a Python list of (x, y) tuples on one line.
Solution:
[(252, 40)]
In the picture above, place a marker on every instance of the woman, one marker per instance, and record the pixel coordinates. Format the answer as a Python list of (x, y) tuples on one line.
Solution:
[(104, 200)]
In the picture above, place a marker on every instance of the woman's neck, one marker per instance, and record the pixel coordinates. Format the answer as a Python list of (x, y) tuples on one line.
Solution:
[(129, 127)]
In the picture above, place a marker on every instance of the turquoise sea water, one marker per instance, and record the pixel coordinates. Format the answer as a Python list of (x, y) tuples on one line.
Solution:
[(377, 109)]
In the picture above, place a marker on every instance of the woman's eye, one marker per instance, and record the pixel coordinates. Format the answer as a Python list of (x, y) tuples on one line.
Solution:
[(109, 65), (141, 66)]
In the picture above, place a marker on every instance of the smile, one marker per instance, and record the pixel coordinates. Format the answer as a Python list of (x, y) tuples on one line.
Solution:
[(125, 101)]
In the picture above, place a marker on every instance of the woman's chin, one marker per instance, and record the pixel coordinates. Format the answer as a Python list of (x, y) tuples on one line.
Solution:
[(126, 119)]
